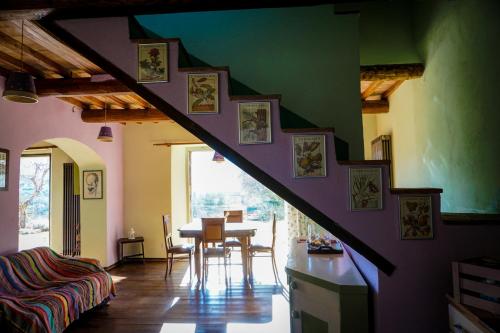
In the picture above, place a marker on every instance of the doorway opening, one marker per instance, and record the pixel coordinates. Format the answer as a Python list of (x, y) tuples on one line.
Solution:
[(34, 201)]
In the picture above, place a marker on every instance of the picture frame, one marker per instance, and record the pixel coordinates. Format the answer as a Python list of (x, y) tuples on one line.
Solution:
[(254, 123), (92, 184), (415, 217), (365, 189), (4, 169), (203, 93), (152, 63), (309, 156)]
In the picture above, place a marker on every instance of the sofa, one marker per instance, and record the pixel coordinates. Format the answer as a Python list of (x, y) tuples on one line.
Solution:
[(44, 292)]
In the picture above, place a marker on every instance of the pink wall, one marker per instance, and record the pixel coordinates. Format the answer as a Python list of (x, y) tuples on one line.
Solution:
[(410, 300), (22, 125)]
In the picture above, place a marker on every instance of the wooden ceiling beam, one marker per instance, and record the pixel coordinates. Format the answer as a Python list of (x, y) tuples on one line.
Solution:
[(24, 14), (75, 102), (12, 44), (79, 87), (375, 107), (16, 63), (123, 115), (371, 89), (391, 72), (392, 89)]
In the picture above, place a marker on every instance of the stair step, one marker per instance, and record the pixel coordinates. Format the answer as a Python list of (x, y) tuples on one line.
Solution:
[(424, 190), (253, 97), (470, 218), (309, 130), (204, 69), (155, 40), (365, 162)]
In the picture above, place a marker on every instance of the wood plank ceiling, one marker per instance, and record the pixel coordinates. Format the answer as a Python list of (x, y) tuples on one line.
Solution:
[(59, 71), (63, 73)]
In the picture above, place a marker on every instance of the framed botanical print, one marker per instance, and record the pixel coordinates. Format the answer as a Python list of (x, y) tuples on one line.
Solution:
[(4, 169), (152, 63), (365, 188), (415, 217), (92, 184), (309, 156), (254, 119), (203, 93)]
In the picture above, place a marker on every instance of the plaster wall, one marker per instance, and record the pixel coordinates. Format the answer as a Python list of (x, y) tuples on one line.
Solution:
[(444, 125), (21, 126), (150, 176), (285, 51)]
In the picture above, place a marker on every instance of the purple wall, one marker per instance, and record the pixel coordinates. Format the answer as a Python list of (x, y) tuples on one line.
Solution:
[(410, 300), (22, 125)]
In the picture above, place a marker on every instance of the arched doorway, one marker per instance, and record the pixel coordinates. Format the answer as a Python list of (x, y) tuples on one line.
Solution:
[(90, 229)]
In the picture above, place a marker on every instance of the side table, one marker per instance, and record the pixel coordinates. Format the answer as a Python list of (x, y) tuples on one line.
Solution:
[(123, 241)]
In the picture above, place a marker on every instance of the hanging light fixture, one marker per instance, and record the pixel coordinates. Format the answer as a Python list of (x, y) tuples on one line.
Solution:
[(105, 134), (218, 157), (20, 86)]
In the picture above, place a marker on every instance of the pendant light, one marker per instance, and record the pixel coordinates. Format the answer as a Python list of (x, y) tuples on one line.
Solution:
[(218, 157), (20, 86), (105, 134)]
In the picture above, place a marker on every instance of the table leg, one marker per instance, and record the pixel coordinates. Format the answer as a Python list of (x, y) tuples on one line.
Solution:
[(244, 259), (143, 258), (197, 258)]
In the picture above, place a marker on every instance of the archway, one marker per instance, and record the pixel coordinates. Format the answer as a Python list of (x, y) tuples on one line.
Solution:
[(93, 221)]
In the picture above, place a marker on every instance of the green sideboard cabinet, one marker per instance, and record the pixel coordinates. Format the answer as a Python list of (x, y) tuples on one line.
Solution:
[(327, 293)]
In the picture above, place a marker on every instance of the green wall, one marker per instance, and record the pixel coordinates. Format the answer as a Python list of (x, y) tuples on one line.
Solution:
[(444, 126), (309, 55), (386, 33), (459, 114)]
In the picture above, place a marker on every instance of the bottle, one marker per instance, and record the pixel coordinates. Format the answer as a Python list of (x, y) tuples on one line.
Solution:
[(131, 234)]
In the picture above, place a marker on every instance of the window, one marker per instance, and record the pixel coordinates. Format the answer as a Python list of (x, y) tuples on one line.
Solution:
[(34, 201), (219, 186)]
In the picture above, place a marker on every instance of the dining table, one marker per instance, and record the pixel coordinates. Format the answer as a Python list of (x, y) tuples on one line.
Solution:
[(242, 231)]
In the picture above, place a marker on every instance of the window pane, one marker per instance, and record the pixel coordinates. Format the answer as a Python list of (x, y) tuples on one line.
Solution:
[(219, 186)]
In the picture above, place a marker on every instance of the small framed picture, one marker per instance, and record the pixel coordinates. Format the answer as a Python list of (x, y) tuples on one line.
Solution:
[(92, 184), (309, 156), (152, 63), (254, 119), (203, 93), (4, 169), (415, 217), (365, 188)]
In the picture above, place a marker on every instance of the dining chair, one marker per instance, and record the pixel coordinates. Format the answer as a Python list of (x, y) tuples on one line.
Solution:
[(181, 251), (260, 250), (213, 232), (233, 216)]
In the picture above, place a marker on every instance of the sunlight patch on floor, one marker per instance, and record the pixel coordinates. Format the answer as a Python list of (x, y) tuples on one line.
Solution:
[(178, 328)]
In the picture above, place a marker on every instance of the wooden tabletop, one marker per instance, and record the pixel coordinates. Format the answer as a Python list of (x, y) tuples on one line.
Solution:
[(244, 229), (332, 271), (128, 240)]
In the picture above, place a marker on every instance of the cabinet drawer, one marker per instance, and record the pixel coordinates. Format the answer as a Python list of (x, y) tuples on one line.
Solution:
[(313, 301)]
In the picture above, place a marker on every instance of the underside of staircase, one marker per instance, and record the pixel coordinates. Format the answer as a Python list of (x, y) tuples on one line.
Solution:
[(271, 164)]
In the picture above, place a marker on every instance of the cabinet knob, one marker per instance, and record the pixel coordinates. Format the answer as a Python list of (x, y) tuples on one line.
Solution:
[(295, 314), (293, 285)]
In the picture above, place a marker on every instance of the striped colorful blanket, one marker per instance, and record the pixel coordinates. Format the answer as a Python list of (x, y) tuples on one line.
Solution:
[(43, 292)]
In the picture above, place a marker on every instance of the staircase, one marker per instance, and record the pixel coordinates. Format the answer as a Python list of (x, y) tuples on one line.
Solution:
[(324, 200)]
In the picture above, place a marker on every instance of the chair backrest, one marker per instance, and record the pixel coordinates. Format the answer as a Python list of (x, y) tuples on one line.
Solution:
[(213, 230), (233, 216), (166, 232), (274, 230)]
